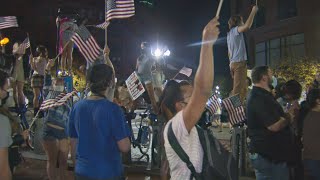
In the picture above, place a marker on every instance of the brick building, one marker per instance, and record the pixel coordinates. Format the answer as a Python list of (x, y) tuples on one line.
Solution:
[(282, 28)]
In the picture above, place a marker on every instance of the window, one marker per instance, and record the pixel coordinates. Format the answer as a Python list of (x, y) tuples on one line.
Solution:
[(261, 56), (270, 52), (287, 9)]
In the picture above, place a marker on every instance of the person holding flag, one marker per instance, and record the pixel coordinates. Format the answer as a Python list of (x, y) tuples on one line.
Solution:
[(66, 31), (238, 53), (39, 65), (20, 71)]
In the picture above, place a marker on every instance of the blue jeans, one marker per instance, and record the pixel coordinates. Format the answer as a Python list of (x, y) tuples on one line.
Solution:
[(267, 170), (312, 168)]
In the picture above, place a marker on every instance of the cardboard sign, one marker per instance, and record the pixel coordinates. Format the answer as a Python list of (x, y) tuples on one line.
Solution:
[(135, 86)]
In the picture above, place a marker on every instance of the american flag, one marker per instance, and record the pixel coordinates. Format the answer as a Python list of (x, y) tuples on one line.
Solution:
[(116, 9), (60, 100), (103, 25), (23, 46), (186, 71), (86, 44), (8, 21), (213, 104), (235, 109)]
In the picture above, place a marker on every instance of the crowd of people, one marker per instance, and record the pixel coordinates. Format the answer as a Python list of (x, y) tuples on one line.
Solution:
[(282, 129)]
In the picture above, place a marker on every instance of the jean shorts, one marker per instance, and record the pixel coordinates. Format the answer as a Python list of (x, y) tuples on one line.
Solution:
[(51, 133)]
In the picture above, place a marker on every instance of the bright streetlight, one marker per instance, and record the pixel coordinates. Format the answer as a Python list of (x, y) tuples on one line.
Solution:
[(157, 53), (167, 53)]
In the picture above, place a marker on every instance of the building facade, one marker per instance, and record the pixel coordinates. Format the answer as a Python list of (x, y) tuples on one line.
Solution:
[(282, 29)]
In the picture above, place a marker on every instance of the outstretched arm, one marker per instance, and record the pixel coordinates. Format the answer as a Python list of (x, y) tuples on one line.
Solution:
[(204, 77), (249, 21), (106, 52)]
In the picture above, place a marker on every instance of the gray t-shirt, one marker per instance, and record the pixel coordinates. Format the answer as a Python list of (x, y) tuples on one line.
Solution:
[(236, 46), (5, 132), (144, 68)]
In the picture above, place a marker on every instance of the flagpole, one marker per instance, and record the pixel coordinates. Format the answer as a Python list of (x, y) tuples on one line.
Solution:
[(106, 30), (178, 72), (30, 44), (64, 47)]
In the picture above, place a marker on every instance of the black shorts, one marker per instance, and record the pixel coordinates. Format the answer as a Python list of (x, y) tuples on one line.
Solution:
[(51, 133)]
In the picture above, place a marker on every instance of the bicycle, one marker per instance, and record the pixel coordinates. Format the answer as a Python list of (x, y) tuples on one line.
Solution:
[(144, 133), (24, 125)]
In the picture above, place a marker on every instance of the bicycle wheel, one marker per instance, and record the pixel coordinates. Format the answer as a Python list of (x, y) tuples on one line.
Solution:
[(145, 139), (155, 150), (145, 122)]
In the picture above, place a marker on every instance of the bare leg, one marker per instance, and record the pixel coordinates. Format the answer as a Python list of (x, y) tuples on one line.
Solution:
[(51, 149), (36, 92), (21, 97), (73, 143), (69, 51), (15, 93), (62, 158), (63, 61)]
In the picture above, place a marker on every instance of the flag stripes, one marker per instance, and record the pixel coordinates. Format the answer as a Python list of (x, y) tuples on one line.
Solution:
[(103, 25), (87, 45), (116, 9), (8, 21), (59, 100), (213, 104), (235, 109), (23, 46)]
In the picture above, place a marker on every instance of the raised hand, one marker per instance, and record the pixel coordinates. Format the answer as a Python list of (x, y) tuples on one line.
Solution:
[(211, 31)]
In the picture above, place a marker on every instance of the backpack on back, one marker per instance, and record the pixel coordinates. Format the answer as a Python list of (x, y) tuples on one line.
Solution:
[(218, 163)]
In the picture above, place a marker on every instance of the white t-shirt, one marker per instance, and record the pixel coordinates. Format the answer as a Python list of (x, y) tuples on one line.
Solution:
[(189, 142)]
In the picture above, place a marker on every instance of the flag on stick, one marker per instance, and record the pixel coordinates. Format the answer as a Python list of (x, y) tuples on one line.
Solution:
[(219, 8), (186, 71), (213, 104), (235, 109), (116, 9), (87, 45), (103, 25), (8, 21), (60, 100), (23, 46)]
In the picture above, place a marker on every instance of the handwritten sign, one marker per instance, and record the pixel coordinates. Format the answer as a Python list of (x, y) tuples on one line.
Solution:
[(135, 86)]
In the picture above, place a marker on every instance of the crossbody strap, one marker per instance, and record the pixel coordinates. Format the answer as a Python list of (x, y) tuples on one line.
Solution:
[(180, 152)]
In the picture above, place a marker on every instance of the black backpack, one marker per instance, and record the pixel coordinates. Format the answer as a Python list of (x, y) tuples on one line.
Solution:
[(218, 163)]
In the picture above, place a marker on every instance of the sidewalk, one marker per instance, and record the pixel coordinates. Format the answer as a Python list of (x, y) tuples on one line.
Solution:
[(34, 168)]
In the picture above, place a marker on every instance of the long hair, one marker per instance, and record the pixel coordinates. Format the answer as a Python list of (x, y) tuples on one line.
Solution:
[(171, 94)]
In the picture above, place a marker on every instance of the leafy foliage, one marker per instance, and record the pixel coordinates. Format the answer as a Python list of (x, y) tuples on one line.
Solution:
[(303, 70)]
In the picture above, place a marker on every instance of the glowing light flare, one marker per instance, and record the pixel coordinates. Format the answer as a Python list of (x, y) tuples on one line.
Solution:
[(167, 53), (4, 41), (158, 53)]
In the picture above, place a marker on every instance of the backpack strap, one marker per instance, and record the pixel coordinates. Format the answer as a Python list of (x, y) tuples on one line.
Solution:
[(205, 143), (180, 152)]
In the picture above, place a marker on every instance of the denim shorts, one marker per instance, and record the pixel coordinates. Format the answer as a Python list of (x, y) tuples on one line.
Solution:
[(51, 133)]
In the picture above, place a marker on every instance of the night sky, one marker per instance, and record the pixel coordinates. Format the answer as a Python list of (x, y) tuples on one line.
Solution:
[(174, 23)]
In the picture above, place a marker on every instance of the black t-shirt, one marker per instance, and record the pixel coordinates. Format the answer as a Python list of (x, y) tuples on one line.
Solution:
[(263, 111)]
